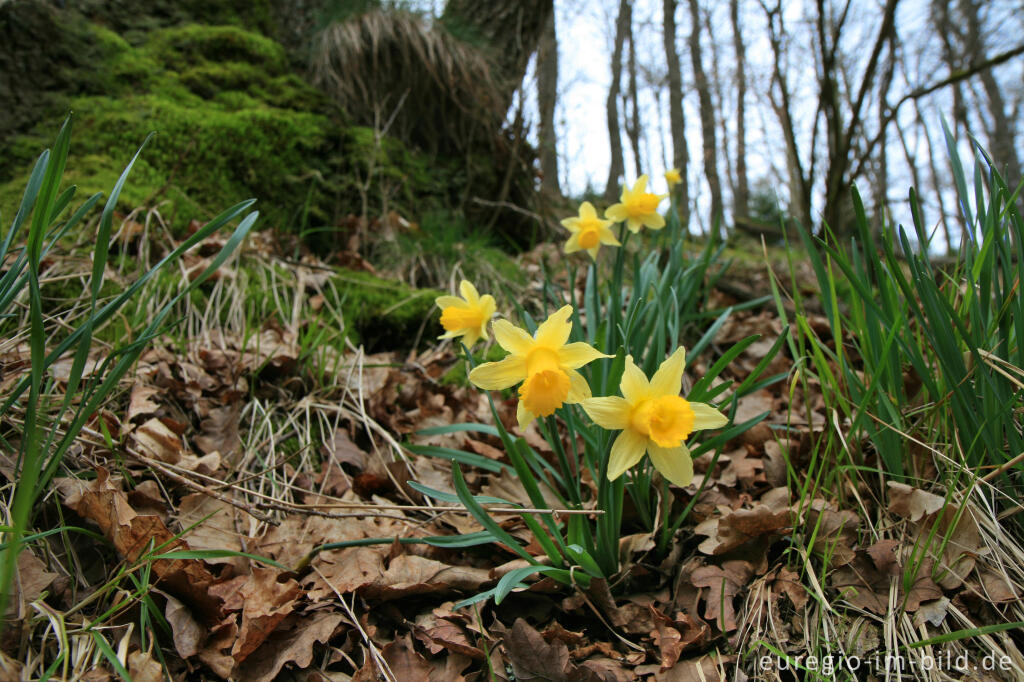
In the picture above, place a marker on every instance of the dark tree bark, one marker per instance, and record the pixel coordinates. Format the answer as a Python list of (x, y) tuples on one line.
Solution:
[(617, 166), (547, 97), (510, 32), (741, 190), (633, 119), (677, 120), (707, 117)]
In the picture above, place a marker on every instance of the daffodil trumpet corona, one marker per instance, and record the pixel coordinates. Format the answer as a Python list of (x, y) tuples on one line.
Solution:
[(653, 419), (545, 365)]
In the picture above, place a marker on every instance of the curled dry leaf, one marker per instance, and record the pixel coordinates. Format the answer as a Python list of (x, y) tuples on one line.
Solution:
[(155, 440), (102, 502), (217, 531), (265, 604), (911, 503)]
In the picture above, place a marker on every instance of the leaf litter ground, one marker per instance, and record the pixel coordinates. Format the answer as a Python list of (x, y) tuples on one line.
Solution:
[(244, 441)]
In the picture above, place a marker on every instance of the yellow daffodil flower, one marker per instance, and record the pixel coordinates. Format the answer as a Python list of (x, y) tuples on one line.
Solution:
[(588, 231), (467, 316), (672, 177), (638, 208), (544, 363), (654, 419)]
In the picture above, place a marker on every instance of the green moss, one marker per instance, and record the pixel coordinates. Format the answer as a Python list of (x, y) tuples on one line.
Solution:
[(383, 313), (231, 123)]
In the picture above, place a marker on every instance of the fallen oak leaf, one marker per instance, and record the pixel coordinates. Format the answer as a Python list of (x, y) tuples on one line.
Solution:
[(265, 604), (134, 535)]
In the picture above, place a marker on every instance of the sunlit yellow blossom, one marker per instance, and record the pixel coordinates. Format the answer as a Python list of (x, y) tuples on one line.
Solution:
[(673, 178), (654, 419), (467, 316), (544, 363), (588, 231), (638, 208)]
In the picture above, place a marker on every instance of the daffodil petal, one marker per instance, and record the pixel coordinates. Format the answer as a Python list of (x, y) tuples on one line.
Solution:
[(571, 224), (668, 380), (607, 237), (640, 186), (575, 355), (449, 302), (627, 450), (572, 244), (616, 213), (610, 413), (634, 384), (510, 337), (579, 389), (554, 331), (707, 417), (523, 416), (494, 376), (634, 225), (593, 252), (675, 464), (655, 221), (469, 291), (587, 211)]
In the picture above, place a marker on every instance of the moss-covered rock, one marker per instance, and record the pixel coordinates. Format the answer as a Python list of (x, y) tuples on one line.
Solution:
[(231, 122), (384, 314)]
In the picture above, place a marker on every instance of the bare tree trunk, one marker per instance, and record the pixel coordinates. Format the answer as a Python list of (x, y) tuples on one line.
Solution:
[(799, 182), (718, 85), (741, 193), (1001, 135), (633, 120), (677, 120), (707, 118), (547, 96), (881, 183), (947, 31), (840, 133), (617, 167)]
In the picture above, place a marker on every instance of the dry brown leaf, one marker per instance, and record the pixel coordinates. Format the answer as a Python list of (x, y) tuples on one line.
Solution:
[(32, 579), (404, 662), (265, 604), (294, 645), (723, 584), (140, 405), (154, 439), (187, 633), (218, 432), (912, 503), (341, 450), (132, 534), (142, 667), (216, 532), (534, 659)]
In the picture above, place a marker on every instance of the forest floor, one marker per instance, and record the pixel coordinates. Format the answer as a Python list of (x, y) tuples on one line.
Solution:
[(239, 446)]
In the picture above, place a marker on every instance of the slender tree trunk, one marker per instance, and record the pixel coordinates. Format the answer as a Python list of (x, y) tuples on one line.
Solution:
[(633, 120), (547, 96), (677, 119), (707, 118), (948, 32), (881, 183), (741, 191), (799, 182), (718, 103), (616, 168)]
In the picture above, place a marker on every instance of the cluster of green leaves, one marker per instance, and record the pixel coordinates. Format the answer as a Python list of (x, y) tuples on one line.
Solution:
[(934, 353), (52, 414)]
